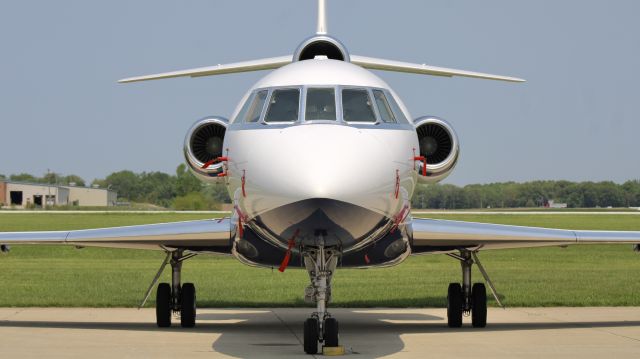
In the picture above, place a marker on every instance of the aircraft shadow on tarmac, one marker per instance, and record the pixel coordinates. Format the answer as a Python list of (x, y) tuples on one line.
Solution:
[(242, 332)]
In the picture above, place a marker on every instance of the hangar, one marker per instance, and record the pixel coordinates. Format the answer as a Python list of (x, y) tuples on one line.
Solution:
[(90, 196), (39, 195)]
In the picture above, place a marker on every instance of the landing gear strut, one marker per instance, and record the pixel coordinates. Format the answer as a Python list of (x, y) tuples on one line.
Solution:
[(175, 297), (321, 263), (465, 299)]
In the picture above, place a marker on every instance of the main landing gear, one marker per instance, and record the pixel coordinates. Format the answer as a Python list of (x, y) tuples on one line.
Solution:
[(320, 327), (174, 298), (466, 299)]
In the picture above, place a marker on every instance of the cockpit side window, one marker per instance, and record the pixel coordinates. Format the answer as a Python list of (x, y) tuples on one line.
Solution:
[(283, 106), (397, 111), (245, 107), (357, 106), (386, 115), (255, 110), (321, 104)]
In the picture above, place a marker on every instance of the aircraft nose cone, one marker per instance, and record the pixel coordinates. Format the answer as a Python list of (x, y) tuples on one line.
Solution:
[(324, 177), (331, 161), (357, 166)]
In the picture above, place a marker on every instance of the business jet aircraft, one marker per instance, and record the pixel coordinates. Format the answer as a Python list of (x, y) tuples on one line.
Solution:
[(321, 159)]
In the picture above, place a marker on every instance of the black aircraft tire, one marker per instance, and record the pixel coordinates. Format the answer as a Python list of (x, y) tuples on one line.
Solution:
[(331, 332), (479, 305), (188, 305), (163, 305), (454, 305), (311, 336)]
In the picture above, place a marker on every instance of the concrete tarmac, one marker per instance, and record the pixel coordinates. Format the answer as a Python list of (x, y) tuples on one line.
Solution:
[(277, 333)]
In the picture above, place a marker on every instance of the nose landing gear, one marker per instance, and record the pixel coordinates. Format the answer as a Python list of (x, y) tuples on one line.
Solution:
[(317, 331), (320, 327)]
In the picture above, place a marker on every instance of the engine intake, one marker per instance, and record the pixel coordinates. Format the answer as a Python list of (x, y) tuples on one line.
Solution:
[(439, 145), (205, 142), (321, 45)]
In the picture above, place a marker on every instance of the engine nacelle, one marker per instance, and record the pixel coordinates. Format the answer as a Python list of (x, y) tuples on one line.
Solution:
[(321, 45), (439, 145), (204, 143)]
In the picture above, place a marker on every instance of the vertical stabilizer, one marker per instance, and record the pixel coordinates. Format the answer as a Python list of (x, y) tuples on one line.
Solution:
[(322, 17)]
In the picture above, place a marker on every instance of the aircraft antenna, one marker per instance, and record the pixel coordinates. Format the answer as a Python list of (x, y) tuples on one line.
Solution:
[(322, 17)]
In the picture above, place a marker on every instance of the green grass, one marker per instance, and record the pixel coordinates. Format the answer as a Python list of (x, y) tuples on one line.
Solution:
[(533, 209), (598, 275)]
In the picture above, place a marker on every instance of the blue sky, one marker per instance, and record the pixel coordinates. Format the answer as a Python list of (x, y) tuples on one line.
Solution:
[(577, 117)]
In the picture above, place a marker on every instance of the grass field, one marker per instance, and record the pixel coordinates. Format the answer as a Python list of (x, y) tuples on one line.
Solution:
[(589, 275)]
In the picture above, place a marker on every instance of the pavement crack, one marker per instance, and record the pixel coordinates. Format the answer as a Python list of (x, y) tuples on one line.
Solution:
[(290, 330), (584, 326), (606, 331), (17, 311)]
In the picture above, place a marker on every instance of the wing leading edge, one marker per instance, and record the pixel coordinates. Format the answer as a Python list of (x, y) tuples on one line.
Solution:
[(435, 233), (190, 234)]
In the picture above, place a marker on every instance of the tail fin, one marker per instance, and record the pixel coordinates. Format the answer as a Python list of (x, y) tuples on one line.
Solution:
[(322, 17)]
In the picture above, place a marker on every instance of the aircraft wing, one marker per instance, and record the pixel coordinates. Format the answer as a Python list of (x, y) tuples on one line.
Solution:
[(444, 235), (201, 234), (423, 69), (220, 69)]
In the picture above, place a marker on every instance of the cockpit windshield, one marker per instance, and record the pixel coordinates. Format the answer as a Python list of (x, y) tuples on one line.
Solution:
[(283, 106), (348, 105), (357, 106), (321, 104)]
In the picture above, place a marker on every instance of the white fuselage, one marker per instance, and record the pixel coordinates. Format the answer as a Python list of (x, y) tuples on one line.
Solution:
[(353, 165), (359, 175)]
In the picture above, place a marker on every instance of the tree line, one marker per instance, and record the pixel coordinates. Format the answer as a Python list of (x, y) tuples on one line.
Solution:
[(48, 178), (528, 194), (183, 191)]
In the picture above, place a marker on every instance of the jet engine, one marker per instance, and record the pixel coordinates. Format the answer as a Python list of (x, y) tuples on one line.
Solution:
[(438, 145), (203, 147), (321, 45)]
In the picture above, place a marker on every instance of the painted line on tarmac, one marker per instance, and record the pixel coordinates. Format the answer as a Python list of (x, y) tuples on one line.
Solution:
[(455, 213), (112, 212)]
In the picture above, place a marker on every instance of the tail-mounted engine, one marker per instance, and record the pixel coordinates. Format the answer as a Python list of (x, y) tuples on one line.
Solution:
[(203, 145), (439, 146), (321, 45)]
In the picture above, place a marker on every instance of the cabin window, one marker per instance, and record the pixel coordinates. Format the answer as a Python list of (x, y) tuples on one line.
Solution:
[(255, 110), (397, 112), (357, 106), (283, 106), (386, 115), (321, 104)]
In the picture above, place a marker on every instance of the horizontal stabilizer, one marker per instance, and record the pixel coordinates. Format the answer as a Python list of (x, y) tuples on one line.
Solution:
[(245, 66), (398, 66), (277, 62)]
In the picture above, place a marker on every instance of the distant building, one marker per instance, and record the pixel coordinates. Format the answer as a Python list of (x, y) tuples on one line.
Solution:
[(552, 204), (94, 197), (39, 195)]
